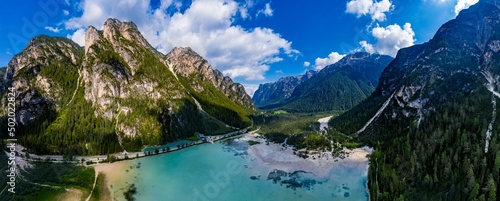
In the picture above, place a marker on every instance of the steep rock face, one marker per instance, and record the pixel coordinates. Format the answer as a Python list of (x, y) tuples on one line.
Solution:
[(119, 64), (437, 100), (36, 87), (276, 92), (462, 54), (192, 66), (117, 93), (339, 86)]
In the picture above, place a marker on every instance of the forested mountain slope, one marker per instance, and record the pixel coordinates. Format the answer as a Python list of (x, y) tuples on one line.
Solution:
[(433, 116), (117, 93), (339, 86)]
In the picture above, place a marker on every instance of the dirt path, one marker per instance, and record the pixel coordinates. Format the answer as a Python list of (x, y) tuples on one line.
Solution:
[(77, 85), (93, 186)]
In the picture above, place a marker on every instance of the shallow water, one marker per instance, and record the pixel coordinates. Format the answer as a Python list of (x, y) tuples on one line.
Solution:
[(223, 171)]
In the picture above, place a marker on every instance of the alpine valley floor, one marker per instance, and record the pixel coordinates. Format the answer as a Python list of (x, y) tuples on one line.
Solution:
[(235, 170)]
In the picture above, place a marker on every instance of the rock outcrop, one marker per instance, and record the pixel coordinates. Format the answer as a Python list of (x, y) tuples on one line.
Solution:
[(118, 92)]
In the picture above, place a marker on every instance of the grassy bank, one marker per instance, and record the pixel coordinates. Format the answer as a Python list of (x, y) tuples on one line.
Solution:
[(49, 181)]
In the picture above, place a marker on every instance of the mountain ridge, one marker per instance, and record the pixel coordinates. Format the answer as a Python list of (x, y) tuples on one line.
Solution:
[(128, 92), (338, 86), (435, 102), (276, 92)]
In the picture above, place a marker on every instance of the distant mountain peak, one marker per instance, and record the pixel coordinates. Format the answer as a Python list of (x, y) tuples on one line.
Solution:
[(338, 86), (358, 55)]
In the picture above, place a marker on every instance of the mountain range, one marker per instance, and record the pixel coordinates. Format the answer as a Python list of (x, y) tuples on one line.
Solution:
[(118, 92), (276, 92), (339, 86), (430, 113), (432, 118)]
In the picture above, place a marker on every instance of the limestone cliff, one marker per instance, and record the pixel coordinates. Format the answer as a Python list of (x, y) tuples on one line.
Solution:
[(118, 92)]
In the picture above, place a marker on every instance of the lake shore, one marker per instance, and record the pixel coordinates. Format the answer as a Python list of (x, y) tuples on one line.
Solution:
[(111, 170), (277, 156), (262, 159)]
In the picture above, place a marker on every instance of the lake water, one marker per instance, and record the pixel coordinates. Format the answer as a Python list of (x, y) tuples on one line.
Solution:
[(225, 171)]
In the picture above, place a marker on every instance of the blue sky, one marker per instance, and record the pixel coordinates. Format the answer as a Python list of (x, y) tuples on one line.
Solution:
[(253, 41)]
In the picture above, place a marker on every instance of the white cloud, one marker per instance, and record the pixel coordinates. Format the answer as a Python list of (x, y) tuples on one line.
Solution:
[(390, 39), (55, 30), (367, 46), (267, 11), (251, 88), (307, 64), (464, 4), (66, 12), (234, 50), (78, 37), (279, 72), (376, 9), (244, 12), (332, 58)]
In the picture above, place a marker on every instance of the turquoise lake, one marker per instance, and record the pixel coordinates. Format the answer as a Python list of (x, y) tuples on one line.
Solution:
[(222, 171)]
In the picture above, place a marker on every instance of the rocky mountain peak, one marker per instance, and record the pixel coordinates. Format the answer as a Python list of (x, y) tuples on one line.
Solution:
[(187, 61), (358, 56), (115, 31), (184, 50), (91, 36), (114, 27), (42, 51)]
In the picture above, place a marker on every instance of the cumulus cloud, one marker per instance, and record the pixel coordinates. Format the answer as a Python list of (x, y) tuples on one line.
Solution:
[(78, 37), (234, 50), (367, 46), (55, 30), (390, 39), (251, 88), (267, 11), (66, 12), (375, 9), (307, 64), (332, 58), (464, 4)]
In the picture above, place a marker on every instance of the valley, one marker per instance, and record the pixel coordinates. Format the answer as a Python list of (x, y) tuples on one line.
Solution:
[(123, 118)]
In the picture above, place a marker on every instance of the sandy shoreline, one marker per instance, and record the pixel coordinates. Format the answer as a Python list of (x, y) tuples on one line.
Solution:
[(116, 179), (275, 156)]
